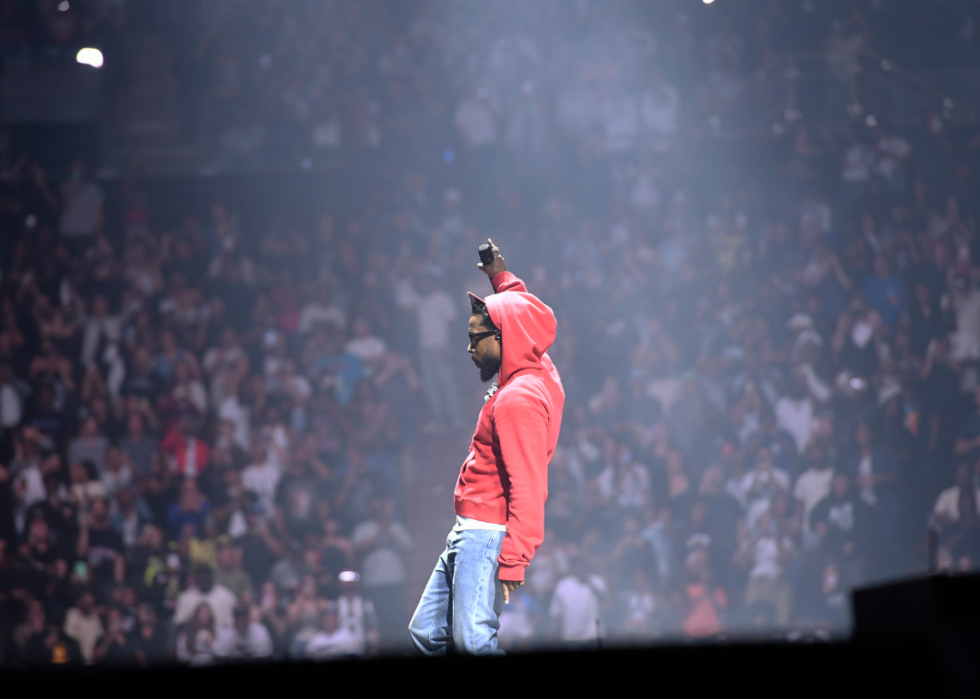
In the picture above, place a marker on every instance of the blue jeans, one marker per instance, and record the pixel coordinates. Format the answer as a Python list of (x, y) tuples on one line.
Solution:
[(459, 610)]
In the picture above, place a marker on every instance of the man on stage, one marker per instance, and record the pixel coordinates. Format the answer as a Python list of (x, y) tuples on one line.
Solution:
[(503, 483)]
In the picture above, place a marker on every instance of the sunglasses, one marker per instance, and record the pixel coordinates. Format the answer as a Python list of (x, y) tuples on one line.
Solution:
[(476, 337)]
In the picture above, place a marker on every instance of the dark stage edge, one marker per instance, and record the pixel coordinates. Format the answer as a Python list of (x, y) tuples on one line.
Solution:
[(913, 668)]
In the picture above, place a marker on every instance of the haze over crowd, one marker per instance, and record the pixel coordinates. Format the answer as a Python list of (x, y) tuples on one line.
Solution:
[(231, 403)]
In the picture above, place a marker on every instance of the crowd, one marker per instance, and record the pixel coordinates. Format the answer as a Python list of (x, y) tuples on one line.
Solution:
[(202, 455), (771, 360), (273, 85), (283, 85)]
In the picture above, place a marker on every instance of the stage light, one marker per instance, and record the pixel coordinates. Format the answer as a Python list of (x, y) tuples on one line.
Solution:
[(871, 121), (63, 6), (90, 57), (707, 2)]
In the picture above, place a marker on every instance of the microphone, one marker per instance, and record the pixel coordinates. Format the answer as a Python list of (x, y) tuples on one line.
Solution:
[(486, 254)]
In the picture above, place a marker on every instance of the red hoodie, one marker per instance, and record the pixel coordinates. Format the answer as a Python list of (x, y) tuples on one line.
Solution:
[(504, 479)]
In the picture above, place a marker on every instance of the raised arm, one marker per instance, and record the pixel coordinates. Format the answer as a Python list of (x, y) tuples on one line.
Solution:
[(496, 271)]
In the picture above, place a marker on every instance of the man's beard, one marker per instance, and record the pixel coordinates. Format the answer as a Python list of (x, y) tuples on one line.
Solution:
[(489, 369)]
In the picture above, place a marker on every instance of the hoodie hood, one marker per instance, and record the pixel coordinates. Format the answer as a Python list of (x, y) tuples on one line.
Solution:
[(527, 328)]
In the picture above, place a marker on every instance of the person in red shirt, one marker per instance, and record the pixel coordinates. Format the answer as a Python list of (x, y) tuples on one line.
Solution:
[(188, 454), (503, 483)]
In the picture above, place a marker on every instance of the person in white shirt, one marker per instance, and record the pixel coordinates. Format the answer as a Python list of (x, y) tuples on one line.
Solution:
[(295, 385), (321, 309), (196, 639), (298, 389), (812, 486), (82, 623), (624, 481), (262, 476), (238, 414), (795, 410), (245, 640), (946, 511), (357, 614), (99, 327), (220, 363), (807, 342), (516, 623), (28, 485), (188, 391), (891, 155), (767, 584), (13, 391), (576, 607), (435, 312), (219, 598), (117, 473), (965, 300), (857, 164), (759, 485), (380, 543), (550, 566), (333, 640), (366, 346)]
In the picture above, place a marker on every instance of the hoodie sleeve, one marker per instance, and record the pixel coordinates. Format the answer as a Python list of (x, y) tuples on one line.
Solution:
[(507, 281), (521, 416)]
